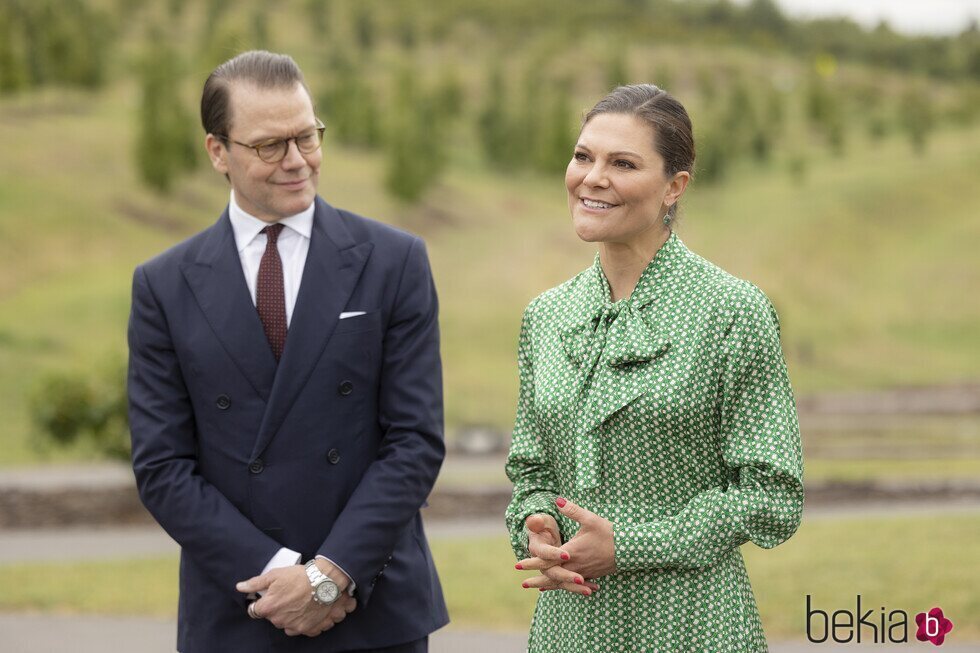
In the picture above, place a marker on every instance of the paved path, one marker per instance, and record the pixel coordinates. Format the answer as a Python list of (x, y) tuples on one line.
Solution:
[(150, 541), (45, 633), (41, 633)]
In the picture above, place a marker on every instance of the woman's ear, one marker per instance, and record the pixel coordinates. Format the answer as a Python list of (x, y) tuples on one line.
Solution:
[(677, 187)]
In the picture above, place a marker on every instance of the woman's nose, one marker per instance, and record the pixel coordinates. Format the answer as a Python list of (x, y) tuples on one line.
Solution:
[(596, 177)]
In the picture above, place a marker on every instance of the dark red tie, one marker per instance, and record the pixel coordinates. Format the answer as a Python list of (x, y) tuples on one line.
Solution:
[(270, 296)]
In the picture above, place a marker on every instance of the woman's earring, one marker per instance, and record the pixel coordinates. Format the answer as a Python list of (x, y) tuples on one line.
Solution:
[(667, 216)]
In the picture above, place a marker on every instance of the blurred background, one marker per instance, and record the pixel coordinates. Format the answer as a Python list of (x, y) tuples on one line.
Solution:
[(838, 161)]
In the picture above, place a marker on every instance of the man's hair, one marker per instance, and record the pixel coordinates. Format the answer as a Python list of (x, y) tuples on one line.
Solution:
[(263, 69)]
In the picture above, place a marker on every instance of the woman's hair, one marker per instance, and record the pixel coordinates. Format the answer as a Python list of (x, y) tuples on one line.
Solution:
[(673, 135)]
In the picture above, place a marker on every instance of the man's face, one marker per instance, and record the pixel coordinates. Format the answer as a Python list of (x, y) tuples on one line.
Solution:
[(269, 191)]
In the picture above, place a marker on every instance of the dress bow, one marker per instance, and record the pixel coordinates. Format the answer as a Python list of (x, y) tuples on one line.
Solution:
[(617, 327), (619, 334)]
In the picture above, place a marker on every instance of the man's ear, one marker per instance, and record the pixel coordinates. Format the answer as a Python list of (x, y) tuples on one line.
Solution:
[(217, 152)]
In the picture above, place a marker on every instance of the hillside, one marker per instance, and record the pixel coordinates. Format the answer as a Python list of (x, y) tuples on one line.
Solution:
[(869, 254)]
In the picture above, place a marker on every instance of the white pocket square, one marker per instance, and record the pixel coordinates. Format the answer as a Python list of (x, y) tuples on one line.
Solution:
[(344, 316)]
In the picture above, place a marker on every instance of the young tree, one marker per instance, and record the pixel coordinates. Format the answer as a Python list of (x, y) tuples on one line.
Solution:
[(663, 78), (825, 112), (714, 155), (364, 27), (617, 69), (450, 94), (495, 125), (414, 145), (165, 144), (556, 133), (13, 69), (319, 14), (351, 105), (260, 27), (917, 118)]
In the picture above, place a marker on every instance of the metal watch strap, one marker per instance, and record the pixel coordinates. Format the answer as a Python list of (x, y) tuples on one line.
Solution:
[(319, 579), (313, 573)]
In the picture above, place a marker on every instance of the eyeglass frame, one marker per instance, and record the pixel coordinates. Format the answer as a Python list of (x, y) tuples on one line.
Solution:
[(319, 128)]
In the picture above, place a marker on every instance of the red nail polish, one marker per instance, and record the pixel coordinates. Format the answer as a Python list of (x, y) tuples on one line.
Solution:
[(518, 566), (564, 556), (560, 502), (588, 592), (578, 581), (525, 585), (541, 589)]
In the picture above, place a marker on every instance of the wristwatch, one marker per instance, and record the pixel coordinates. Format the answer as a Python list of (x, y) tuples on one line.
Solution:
[(325, 591)]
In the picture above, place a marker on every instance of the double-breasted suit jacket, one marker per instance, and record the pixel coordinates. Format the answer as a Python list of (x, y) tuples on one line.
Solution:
[(669, 413), (332, 451)]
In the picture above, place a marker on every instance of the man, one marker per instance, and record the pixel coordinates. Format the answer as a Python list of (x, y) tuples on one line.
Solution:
[(286, 396)]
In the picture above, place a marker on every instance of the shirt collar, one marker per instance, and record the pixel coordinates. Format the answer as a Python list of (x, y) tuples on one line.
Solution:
[(246, 226)]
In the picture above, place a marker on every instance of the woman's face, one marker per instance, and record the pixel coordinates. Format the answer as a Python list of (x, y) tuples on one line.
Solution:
[(617, 189)]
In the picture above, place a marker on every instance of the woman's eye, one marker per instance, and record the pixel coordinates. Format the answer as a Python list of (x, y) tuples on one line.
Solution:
[(624, 164), (580, 156)]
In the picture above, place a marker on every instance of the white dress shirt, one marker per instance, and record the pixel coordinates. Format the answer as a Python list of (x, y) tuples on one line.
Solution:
[(293, 245)]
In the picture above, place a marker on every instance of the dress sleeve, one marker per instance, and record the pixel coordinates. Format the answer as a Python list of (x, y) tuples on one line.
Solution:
[(535, 488), (762, 500)]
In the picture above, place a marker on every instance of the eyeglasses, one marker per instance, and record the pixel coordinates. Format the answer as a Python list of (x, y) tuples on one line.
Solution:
[(274, 150)]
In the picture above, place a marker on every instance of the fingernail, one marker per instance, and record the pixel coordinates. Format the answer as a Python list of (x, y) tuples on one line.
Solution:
[(240, 587), (541, 589), (564, 556), (578, 581), (588, 592), (525, 585), (518, 566), (560, 502)]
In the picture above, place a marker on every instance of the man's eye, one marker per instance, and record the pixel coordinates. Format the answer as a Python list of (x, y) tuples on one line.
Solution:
[(270, 148)]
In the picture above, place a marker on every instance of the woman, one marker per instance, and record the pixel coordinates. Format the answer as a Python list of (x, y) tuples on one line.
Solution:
[(656, 429)]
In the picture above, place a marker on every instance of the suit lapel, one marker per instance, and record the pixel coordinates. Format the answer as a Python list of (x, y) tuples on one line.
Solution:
[(218, 284), (333, 266)]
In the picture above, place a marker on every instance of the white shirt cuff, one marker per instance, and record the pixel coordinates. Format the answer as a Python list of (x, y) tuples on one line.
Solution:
[(284, 557), (352, 586)]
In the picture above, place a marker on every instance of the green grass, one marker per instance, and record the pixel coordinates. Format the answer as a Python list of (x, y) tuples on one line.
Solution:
[(908, 563), (955, 469), (816, 471)]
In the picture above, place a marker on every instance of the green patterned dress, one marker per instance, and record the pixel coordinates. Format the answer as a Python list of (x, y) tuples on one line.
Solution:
[(670, 414)]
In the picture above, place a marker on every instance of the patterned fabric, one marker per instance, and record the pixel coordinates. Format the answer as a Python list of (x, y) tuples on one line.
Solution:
[(270, 295), (671, 414)]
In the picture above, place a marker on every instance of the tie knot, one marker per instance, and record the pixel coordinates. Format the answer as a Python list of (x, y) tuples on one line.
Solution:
[(272, 232)]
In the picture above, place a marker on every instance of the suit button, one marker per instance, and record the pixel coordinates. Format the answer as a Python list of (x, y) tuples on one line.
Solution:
[(346, 387), (223, 402), (333, 456), (256, 466)]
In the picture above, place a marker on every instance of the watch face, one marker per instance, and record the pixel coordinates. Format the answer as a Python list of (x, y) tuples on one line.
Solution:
[(327, 592)]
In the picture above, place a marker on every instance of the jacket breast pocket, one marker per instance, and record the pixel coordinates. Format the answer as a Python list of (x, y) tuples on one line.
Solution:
[(369, 321)]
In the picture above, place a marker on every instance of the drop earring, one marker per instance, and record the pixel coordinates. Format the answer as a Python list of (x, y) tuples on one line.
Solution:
[(667, 216)]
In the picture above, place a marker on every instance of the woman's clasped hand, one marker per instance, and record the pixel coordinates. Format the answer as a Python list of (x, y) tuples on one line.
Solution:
[(589, 554)]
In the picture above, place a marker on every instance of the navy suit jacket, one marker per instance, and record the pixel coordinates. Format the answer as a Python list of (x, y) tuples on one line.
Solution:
[(332, 451)]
